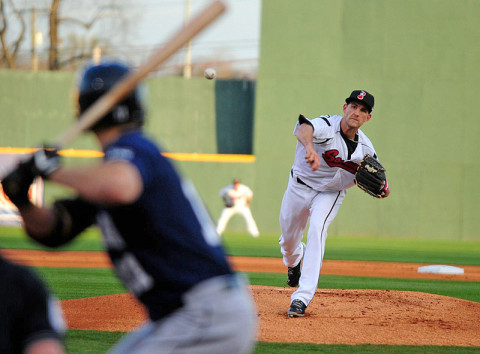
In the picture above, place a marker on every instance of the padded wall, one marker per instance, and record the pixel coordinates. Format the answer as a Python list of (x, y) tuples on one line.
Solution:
[(420, 60)]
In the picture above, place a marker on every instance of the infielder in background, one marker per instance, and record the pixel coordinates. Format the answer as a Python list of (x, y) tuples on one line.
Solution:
[(158, 235), (236, 198), (31, 320), (328, 150)]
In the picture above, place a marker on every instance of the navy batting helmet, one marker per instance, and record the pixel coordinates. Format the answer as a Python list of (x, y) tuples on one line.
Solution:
[(98, 79)]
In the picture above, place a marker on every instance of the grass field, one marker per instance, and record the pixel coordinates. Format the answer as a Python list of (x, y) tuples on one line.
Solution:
[(79, 283)]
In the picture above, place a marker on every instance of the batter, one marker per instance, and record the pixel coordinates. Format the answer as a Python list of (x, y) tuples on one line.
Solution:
[(160, 239), (327, 153)]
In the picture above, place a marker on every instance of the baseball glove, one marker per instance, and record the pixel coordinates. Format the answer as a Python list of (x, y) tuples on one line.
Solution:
[(227, 201), (370, 177)]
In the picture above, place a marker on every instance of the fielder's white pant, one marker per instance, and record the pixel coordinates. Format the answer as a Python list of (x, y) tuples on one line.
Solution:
[(245, 212), (299, 203)]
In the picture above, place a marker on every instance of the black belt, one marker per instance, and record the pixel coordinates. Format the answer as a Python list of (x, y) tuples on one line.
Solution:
[(299, 180)]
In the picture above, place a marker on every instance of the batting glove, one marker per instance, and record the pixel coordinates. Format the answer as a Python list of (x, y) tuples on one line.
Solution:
[(17, 184), (45, 161)]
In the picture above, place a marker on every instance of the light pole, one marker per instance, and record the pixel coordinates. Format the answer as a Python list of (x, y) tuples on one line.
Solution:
[(187, 69), (33, 18)]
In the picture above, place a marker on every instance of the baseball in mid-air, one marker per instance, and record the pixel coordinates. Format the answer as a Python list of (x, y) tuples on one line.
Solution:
[(210, 73)]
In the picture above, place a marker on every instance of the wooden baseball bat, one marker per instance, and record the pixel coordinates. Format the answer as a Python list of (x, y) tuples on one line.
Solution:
[(127, 84)]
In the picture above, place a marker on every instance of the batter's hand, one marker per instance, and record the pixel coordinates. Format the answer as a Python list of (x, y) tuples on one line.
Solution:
[(17, 184), (312, 158), (45, 161)]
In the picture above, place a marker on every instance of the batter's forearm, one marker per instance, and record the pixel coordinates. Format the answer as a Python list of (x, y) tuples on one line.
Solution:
[(108, 183), (38, 222)]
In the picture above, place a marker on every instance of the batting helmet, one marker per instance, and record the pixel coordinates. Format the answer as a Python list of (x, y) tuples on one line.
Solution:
[(98, 79)]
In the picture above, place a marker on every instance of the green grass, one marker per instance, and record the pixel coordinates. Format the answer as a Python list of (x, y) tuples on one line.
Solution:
[(85, 342), (84, 282), (337, 247), (467, 290), (15, 238), (77, 283), (294, 348), (81, 341), (367, 249)]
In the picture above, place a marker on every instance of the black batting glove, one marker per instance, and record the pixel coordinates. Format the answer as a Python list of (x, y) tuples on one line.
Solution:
[(45, 161), (17, 184)]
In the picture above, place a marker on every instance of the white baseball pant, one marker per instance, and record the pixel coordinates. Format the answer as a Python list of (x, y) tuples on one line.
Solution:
[(245, 212), (300, 203)]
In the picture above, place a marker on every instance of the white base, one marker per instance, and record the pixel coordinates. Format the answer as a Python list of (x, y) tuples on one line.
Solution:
[(441, 269)]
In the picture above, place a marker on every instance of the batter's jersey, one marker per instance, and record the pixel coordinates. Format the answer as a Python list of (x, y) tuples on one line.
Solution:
[(337, 166), (165, 242), (27, 312)]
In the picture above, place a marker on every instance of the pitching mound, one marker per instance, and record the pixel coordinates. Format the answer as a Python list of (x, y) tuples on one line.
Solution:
[(334, 317), (369, 317)]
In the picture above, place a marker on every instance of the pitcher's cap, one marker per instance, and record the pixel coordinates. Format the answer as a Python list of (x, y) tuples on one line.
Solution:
[(362, 96)]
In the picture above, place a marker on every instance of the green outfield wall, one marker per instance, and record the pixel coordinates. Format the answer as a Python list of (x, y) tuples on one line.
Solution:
[(419, 59), (194, 116)]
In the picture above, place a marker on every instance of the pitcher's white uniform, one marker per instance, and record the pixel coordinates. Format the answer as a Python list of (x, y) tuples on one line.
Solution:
[(240, 196), (317, 195)]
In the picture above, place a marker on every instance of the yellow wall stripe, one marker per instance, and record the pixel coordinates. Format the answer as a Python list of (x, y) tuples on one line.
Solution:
[(180, 156)]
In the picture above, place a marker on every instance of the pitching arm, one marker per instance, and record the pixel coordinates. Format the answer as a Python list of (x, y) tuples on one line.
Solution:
[(304, 134)]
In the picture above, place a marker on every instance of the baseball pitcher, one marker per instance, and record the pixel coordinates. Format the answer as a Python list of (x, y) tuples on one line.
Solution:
[(332, 155)]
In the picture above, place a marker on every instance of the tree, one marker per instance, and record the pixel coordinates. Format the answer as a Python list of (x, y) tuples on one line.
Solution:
[(55, 20), (63, 16), (10, 50)]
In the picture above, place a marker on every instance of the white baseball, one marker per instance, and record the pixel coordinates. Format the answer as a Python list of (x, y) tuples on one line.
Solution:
[(210, 73)]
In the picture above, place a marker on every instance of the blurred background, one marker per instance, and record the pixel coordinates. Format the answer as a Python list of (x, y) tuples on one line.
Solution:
[(275, 59), (61, 34)]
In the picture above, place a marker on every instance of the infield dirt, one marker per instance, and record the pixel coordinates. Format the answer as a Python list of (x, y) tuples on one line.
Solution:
[(335, 316)]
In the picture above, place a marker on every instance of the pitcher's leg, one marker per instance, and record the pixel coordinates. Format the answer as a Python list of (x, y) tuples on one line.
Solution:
[(324, 209), (294, 214)]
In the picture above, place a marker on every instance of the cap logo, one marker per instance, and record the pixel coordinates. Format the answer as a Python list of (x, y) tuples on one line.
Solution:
[(362, 95), (97, 83)]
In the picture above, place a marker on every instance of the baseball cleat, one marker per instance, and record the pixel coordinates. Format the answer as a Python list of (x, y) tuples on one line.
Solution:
[(294, 275), (295, 272), (297, 309)]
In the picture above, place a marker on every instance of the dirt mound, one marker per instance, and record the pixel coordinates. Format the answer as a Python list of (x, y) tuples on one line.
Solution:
[(339, 316), (334, 317)]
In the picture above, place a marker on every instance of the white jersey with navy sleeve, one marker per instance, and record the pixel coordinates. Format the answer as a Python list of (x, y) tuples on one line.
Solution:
[(337, 168)]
